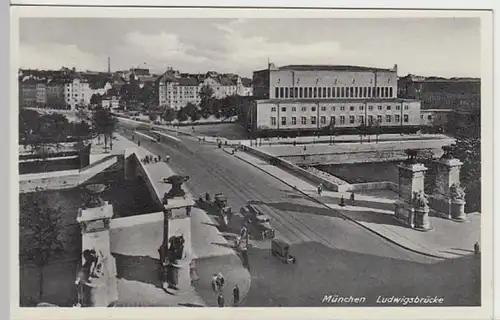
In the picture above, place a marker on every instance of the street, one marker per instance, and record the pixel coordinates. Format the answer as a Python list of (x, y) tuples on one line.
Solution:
[(335, 256)]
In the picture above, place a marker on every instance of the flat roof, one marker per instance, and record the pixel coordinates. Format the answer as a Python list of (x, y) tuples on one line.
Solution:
[(436, 110), (305, 67), (319, 67), (353, 100)]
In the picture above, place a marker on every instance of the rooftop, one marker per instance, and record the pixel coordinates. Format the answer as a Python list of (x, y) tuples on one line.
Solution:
[(353, 100), (306, 67)]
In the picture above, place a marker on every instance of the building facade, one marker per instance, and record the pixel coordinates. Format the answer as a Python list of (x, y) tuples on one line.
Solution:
[(175, 90), (441, 93), (77, 93), (28, 93), (435, 117), (55, 95), (314, 98), (110, 103)]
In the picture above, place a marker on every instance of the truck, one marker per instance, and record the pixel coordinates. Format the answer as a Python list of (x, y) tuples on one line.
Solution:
[(259, 222), (218, 206)]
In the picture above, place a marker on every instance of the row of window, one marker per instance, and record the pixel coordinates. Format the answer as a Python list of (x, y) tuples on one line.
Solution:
[(333, 92), (342, 108), (342, 120)]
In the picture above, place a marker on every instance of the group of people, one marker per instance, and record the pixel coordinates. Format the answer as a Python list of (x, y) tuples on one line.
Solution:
[(150, 159), (218, 285), (342, 200)]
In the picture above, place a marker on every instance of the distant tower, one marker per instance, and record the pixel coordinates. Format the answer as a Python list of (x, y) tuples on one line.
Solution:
[(109, 64)]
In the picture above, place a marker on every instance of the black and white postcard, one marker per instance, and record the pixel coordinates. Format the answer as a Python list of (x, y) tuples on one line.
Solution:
[(259, 163)]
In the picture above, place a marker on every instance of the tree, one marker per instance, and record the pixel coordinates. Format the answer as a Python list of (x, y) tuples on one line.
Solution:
[(362, 131), (96, 100), (195, 115), (182, 115), (147, 94), (153, 116), (43, 228), (104, 124), (206, 103), (29, 122), (169, 115)]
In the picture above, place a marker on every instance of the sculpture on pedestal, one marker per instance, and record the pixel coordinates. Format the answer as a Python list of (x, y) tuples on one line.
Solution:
[(411, 156), (93, 192), (421, 208), (420, 200), (457, 193), (169, 260), (457, 202), (448, 150), (176, 181)]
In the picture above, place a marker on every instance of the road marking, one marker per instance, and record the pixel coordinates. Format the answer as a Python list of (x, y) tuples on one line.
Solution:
[(166, 135), (145, 135)]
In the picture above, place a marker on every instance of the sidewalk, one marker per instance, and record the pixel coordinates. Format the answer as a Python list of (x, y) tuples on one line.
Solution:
[(187, 130), (211, 252), (449, 239)]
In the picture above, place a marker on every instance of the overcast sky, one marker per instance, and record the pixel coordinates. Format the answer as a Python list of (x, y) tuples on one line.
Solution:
[(446, 47)]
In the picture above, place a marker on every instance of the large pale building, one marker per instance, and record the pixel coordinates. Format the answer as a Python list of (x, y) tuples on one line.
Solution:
[(315, 97)]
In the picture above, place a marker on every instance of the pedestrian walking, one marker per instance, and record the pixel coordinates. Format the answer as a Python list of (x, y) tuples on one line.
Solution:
[(320, 189), (236, 295), (220, 300), (220, 281), (305, 148), (342, 201), (477, 249), (215, 288), (159, 158), (352, 198), (139, 143)]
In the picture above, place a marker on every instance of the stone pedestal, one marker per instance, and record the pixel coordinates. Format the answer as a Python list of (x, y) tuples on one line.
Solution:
[(422, 222), (447, 174), (411, 181), (457, 210), (404, 213), (99, 285)]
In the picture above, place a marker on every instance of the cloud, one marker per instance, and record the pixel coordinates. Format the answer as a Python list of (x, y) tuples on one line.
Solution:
[(252, 51), (160, 47), (54, 56)]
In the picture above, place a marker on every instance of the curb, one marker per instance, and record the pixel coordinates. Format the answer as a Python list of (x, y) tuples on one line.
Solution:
[(346, 217)]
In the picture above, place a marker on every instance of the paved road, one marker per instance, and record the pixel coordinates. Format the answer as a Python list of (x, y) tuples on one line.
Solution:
[(335, 255)]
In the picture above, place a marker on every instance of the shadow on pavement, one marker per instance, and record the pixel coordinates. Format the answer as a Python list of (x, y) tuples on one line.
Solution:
[(321, 271), (191, 305), (138, 268), (225, 245)]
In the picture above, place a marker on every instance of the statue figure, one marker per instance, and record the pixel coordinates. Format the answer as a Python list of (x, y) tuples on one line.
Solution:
[(447, 152), (420, 200), (457, 192), (176, 248), (411, 156), (176, 181)]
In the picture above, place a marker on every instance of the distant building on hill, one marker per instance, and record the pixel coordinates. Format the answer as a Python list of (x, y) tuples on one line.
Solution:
[(441, 93)]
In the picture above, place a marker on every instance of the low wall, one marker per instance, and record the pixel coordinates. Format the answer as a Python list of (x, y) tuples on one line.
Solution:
[(317, 179), (298, 171), (379, 185), (354, 157), (62, 182), (135, 166)]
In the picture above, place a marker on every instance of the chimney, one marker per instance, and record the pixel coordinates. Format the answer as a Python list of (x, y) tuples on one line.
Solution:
[(109, 64)]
